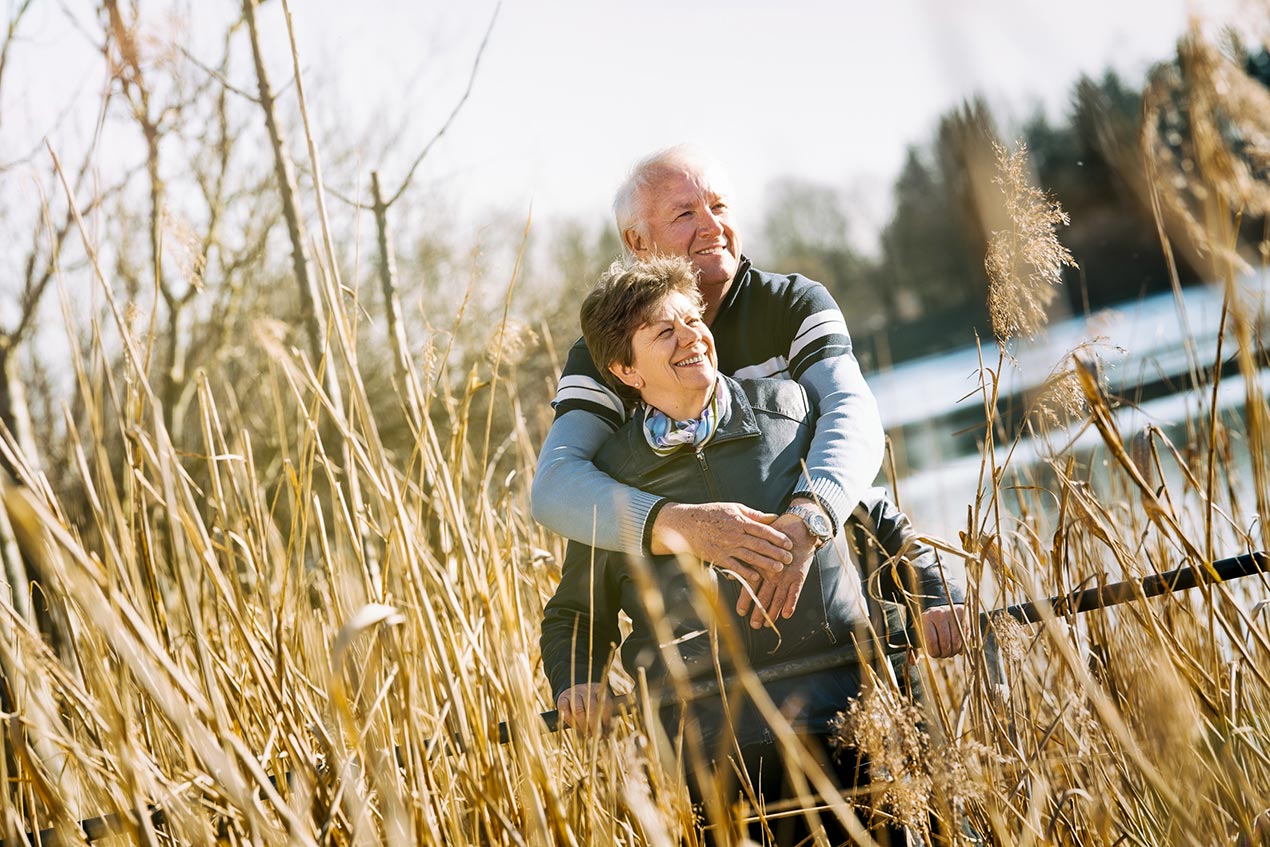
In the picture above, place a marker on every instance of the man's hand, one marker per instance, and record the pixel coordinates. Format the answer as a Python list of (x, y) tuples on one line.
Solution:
[(586, 708), (942, 627), (778, 594), (728, 535)]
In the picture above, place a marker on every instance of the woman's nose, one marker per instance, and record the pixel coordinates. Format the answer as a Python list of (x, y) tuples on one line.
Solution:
[(688, 334)]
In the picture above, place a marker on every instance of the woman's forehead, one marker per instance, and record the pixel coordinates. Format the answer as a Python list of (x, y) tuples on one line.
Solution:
[(671, 306)]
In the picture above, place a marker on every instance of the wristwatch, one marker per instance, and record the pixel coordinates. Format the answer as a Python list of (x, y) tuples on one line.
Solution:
[(817, 524)]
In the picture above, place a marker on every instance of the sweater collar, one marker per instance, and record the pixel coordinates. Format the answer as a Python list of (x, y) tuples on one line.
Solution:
[(734, 290)]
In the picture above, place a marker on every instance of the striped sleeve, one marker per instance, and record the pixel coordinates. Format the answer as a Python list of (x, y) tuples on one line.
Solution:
[(821, 332), (581, 387), (776, 367)]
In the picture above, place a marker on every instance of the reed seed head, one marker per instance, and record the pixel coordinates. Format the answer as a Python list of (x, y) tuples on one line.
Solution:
[(1026, 261)]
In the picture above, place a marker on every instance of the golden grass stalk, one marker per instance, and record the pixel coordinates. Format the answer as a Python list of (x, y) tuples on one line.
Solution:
[(1025, 262)]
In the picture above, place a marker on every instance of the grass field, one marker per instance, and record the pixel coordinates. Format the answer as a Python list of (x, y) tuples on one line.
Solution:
[(229, 658)]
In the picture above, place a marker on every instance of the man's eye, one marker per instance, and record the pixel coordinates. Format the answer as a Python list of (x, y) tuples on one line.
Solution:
[(683, 215)]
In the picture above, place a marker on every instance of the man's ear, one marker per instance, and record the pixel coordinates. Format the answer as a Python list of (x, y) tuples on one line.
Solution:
[(627, 374), (635, 242)]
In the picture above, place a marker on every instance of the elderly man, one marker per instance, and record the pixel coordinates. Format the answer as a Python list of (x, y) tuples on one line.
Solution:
[(677, 202)]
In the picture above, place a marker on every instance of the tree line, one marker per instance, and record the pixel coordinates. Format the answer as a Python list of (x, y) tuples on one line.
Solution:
[(925, 290)]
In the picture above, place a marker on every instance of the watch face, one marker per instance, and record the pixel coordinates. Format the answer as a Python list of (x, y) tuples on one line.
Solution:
[(819, 526)]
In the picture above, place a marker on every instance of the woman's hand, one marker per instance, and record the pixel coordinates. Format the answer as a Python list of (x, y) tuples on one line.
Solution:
[(586, 708), (942, 627), (730, 536), (778, 594)]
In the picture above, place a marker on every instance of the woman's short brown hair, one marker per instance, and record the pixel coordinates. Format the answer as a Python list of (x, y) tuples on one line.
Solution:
[(621, 302)]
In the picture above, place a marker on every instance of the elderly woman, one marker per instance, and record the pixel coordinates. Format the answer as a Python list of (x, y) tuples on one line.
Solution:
[(697, 436)]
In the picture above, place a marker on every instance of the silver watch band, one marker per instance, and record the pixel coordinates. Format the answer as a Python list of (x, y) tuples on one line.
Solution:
[(817, 524)]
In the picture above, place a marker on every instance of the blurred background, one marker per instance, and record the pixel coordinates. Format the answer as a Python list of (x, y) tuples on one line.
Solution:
[(859, 137)]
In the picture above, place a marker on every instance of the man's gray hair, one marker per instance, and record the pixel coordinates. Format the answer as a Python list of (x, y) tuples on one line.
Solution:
[(628, 205)]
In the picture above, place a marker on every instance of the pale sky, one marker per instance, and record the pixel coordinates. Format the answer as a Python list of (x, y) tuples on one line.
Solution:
[(571, 92)]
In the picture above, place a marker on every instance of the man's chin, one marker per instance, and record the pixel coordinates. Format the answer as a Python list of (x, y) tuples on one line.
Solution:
[(716, 273)]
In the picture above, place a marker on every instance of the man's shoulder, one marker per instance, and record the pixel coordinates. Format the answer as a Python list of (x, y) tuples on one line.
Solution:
[(789, 287), (769, 295), (579, 359), (584, 388)]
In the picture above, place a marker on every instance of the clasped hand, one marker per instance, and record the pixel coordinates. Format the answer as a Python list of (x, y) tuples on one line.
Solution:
[(770, 554)]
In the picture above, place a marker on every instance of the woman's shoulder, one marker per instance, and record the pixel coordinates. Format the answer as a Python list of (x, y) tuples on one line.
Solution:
[(624, 449), (775, 396)]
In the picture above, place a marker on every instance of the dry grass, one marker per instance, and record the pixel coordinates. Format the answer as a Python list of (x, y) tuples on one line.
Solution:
[(1025, 262)]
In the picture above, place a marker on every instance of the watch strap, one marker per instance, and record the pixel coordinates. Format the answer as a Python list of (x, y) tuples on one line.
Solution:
[(817, 524)]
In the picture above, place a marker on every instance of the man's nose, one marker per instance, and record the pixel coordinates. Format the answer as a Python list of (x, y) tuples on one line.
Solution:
[(710, 223)]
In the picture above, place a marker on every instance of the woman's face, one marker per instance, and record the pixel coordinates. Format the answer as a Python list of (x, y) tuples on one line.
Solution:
[(674, 366)]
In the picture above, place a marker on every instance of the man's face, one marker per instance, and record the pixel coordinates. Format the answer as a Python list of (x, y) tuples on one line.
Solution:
[(685, 213)]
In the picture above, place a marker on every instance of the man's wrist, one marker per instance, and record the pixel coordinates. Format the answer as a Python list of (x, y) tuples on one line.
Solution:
[(647, 540), (808, 500), (814, 519)]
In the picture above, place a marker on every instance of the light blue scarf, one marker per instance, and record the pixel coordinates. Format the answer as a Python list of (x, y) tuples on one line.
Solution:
[(666, 436)]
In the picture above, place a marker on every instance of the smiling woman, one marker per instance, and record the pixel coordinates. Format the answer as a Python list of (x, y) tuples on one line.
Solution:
[(649, 319), (673, 363)]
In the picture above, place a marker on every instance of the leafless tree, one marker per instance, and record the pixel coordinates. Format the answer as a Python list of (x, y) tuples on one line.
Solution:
[(402, 364)]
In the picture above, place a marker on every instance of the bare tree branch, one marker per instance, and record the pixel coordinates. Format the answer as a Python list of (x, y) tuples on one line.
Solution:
[(476, 64), (9, 37), (458, 107), (284, 170), (35, 285), (217, 75)]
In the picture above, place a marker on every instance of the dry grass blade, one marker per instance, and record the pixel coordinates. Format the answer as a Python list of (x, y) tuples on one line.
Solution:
[(1025, 262)]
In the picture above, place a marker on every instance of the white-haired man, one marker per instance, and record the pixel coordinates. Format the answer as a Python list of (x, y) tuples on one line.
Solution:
[(677, 202)]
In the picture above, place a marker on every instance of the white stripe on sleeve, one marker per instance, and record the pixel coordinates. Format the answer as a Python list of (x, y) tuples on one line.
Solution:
[(774, 366), (579, 387), (828, 322)]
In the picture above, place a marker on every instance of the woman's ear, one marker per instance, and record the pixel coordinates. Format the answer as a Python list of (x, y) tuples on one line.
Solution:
[(627, 374)]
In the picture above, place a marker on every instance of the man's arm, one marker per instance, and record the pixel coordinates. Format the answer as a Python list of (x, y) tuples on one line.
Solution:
[(846, 451), (572, 497), (577, 500)]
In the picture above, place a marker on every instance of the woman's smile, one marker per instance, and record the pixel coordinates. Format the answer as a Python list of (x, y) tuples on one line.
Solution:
[(673, 362)]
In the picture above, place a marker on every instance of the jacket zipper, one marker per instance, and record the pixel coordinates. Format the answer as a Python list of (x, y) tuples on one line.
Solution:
[(705, 470), (704, 463)]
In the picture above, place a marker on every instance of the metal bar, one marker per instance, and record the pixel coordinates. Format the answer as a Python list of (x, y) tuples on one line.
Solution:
[(1114, 594), (1182, 579)]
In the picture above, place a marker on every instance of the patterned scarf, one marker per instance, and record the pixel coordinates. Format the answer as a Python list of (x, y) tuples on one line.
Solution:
[(666, 436)]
